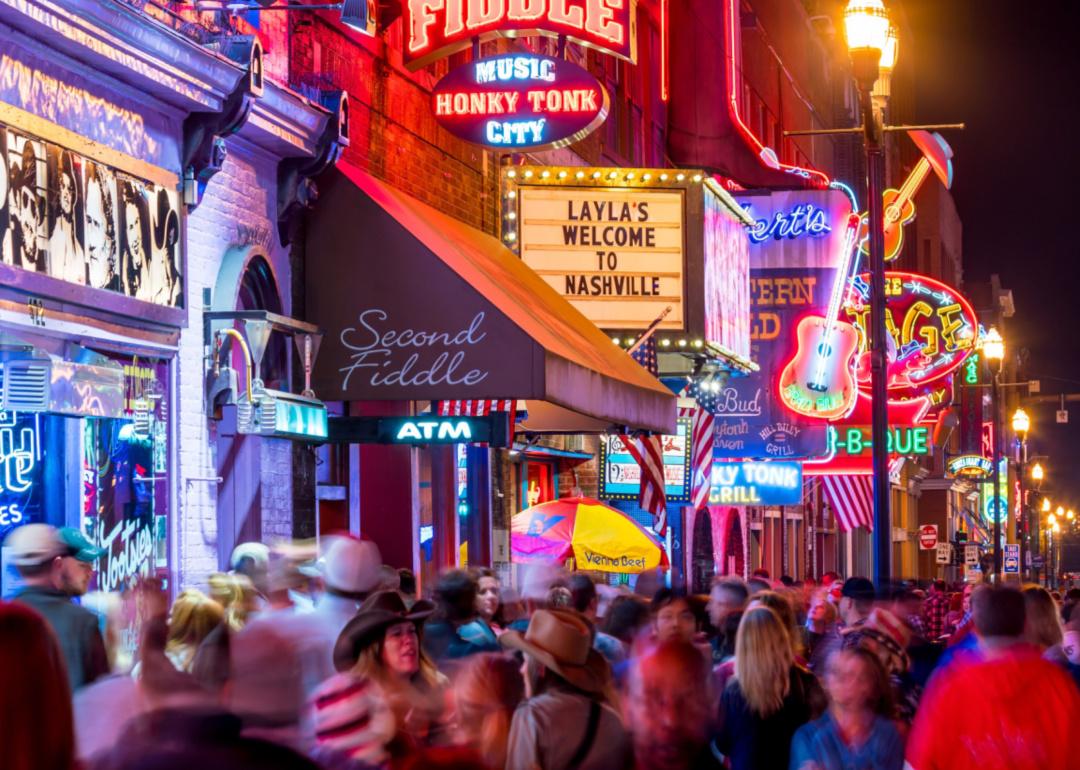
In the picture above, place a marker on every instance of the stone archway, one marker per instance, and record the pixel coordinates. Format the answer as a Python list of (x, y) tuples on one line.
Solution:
[(702, 562)]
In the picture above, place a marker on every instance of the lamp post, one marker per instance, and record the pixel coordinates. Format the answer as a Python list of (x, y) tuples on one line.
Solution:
[(872, 44), (1021, 424), (993, 347)]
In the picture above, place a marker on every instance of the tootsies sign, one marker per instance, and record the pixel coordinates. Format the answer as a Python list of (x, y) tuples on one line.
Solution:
[(436, 28), (520, 101)]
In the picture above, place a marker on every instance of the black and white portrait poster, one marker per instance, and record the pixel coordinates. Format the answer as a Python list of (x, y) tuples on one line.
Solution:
[(101, 230), (25, 242), (165, 280), (135, 239), (67, 258)]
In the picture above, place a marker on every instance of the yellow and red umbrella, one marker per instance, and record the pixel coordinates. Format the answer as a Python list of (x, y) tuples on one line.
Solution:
[(597, 536)]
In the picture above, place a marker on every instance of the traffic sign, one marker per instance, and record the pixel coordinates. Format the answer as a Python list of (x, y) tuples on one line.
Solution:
[(944, 553), (928, 537), (971, 555), (1012, 558), (1062, 415)]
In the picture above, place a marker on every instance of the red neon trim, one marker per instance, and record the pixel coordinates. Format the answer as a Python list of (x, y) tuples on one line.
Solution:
[(733, 101), (663, 50)]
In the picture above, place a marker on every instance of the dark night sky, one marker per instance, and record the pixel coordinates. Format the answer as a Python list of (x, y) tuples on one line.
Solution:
[(1010, 70)]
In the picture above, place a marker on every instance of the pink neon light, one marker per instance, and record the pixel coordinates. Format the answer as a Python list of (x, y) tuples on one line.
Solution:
[(663, 50), (733, 101)]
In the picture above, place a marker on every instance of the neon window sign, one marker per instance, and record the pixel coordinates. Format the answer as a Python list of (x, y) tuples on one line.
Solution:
[(437, 28), (805, 219), (20, 468)]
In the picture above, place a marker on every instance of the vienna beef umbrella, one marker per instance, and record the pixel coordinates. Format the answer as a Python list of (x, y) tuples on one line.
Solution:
[(597, 536)]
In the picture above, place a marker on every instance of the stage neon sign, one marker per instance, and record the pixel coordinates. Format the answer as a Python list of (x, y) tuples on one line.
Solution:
[(437, 28), (932, 326), (970, 466), (520, 101), (803, 220)]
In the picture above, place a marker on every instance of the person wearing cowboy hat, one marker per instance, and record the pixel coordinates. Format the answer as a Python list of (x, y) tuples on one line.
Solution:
[(566, 722), (382, 644)]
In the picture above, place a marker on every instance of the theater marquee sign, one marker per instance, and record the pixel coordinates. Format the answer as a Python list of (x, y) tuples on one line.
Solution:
[(616, 254)]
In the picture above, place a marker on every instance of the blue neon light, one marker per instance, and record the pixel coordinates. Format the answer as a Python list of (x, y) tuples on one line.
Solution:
[(806, 219)]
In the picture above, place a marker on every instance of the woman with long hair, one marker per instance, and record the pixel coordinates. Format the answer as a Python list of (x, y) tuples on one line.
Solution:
[(382, 644), (192, 617), (36, 730), (781, 604), (770, 696), (489, 598), (1042, 623), (487, 688), (857, 730)]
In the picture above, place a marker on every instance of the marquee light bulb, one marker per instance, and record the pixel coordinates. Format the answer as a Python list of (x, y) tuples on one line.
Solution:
[(596, 175), (512, 194), (663, 177), (562, 175), (680, 177), (579, 175), (511, 174), (528, 174), (545, 174)]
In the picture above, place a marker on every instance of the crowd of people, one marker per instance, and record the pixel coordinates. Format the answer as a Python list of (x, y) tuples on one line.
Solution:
[(306, 660)]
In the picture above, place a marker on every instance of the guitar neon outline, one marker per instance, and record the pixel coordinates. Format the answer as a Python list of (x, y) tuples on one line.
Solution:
[(898, 206), (819, 380)]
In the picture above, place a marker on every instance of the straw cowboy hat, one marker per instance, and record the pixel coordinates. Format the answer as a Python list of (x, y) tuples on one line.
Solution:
[(378, 612), (561, 640)]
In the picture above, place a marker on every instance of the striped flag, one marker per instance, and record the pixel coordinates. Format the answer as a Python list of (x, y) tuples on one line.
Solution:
[(852, 500), (648, 453), (701, 453), (645, 355), (475, 408)]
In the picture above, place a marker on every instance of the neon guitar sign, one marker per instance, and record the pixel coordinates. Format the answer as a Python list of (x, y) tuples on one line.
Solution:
[(819, 380), (898, 206)]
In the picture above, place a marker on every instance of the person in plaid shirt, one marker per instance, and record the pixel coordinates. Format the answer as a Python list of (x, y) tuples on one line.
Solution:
[(935, 608)]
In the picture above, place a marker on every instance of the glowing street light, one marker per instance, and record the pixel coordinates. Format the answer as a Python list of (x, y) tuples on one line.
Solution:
[(1046, 505), (1038, 474), (1070, 515), (1056, 527), (1051, 519), (1060, 511), (1021, 423), (993, 346)]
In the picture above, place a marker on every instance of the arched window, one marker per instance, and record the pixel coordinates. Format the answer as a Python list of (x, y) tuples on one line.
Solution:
[(258, 291)]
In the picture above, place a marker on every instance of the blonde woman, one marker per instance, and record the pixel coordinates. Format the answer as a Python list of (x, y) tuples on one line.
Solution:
[(193, 616), (236, 594), (1042, 623), (487, 689), (382, 644), (770, 696)]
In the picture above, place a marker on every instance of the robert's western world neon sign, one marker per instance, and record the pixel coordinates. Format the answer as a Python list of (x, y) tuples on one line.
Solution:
[(805, 219), (436, 28), (520, 102)]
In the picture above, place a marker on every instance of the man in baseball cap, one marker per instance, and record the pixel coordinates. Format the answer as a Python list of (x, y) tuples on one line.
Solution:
[(56, 565)]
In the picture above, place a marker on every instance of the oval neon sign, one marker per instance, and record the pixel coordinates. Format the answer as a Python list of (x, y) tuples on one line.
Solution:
[(932, 326), (520, 102)]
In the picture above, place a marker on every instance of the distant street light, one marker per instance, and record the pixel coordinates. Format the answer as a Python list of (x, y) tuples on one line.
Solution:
[(1037, 472), (1046, 504), (993, 350)]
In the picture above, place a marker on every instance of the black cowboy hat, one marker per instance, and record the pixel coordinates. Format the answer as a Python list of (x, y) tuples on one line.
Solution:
[(378, 612)]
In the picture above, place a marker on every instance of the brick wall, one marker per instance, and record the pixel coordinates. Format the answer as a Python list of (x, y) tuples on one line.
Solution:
[(238, 209)]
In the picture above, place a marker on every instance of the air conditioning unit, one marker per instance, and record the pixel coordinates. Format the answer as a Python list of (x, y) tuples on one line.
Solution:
[(33, 380)]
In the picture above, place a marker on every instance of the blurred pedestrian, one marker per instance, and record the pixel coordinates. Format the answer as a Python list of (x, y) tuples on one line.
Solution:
[(673, 616), (781, 605), (668, 706), (487, 689), (856, 602), (768, 699), (1006, 708), (252, 561), (192, 617), (55, 566), (821, 636), (489, 598), (566, 721), (727, 599), (1042, 623), (857, 731), (352, 723), (36, 731), (627, 617), (457, 630), (407, 586), (237, 596), (888, 638), (955, 614), (383, 643), (584, 599), (936, 611)]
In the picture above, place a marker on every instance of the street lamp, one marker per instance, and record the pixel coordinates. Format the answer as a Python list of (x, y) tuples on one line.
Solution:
[(993, 349), (1046, 504), (1037, 472), (1021, 424), (866, 23)]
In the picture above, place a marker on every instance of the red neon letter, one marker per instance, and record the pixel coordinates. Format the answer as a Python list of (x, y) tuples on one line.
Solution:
[(484, 12), (455, 18), (560, 13), (526, 10), (599, 20), (422, 16)]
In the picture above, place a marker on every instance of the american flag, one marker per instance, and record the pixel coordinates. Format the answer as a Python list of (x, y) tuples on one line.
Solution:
[(701, 453), (852, 500), (648, 453), (646, 356)]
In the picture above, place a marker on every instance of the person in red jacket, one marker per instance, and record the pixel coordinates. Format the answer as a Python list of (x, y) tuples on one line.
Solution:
[(1002, 707)]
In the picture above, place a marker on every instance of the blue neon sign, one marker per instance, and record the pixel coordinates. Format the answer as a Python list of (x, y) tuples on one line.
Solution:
[(756, 483), (805, 219)]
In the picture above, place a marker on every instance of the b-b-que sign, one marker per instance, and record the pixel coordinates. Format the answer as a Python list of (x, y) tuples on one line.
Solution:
[(520, 101)]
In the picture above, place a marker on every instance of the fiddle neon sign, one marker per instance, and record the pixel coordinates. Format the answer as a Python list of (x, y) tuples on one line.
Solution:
[(523, 101), (803, 220), (436, 28)]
